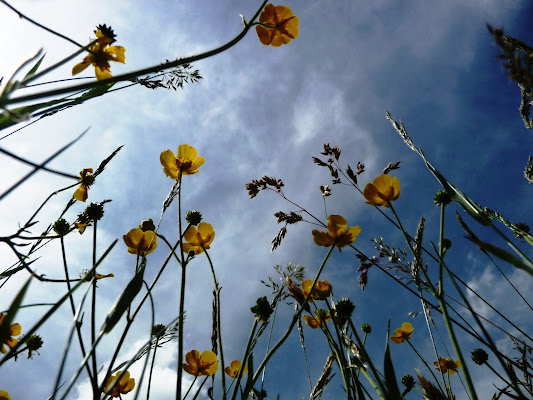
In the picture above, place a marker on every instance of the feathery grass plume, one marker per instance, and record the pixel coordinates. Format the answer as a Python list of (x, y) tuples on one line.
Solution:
[(528, 171), (214, 332), (324, 378), (430, 391), (417, 247), (519, 58)]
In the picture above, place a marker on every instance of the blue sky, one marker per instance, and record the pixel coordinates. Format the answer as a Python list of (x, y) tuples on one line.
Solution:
[(266, 111)]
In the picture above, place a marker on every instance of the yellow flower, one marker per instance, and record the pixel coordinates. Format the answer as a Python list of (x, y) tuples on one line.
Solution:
[(234, 367), (87, 179), (321, 291), (140, 242), (4, 395), (447, 365), (322, 316), (201, 364), (187, 161), (337, 233), (124, 385), (195, 238), (99, 56), (283, 26), (14, 330), (402, 334), (382, 191)]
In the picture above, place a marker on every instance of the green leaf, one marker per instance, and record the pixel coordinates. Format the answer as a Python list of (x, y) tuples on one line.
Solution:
[(393, 392), (34, 69), (10, 316), (94, 92), (124, 300), (16, 115), (505, 255)]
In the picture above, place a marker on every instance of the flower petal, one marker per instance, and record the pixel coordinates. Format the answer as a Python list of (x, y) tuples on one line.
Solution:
[(168, 161), (82, 65), (322, 238), (187, 152), (336, 225), (15, 330)]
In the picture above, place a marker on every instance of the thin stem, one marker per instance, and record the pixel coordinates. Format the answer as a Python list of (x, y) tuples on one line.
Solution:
[(244, 358), (96, 393), (182, 297), (219, 333), (428, 367), (152, 369), (40, 25), (74, 314)]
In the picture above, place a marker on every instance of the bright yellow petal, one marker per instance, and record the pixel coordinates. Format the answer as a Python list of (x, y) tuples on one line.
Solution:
[(283, 12), (371, 194), (206, 233), (116, 53), (265, 34), (11, 342), (15, 330), (4, 395), (133, 238), (81, 193), (396, 186), (336, 225), (322, 238), (102, 72), (397, 340), (191, 235), (186, 152), (311, 321), (197, 162), (268, 16), (406, 327), (168, 161), (130, 386), (81, 66)]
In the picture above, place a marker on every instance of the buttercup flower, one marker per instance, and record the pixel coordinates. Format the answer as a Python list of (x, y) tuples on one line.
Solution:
[(321, 317), (100, 54), (140, 242), (282, 26), (402, 334), (382, 191), (4, 395), (321, 291), (14, 330), (187, 161), (447, 365), (124, 385), (87, 179), (201, 364), (195, 238), (337, 233), (234, 367)]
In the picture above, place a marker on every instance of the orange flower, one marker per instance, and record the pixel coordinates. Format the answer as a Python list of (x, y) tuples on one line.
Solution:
[(101, 53), (402, 334), (382, 191), (196, 238), (200, 364), (87, 179), (337, 233), (321, 291), (322, 317), (14, 330), (447, 365), (124, 385), (280, 26), (187, 161), (140, 242), (233, 369)]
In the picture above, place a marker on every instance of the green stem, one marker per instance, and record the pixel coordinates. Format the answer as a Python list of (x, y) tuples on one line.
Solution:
[(152, 369), (219, 333), (428, 367), (92, 378), (182, 298), (96, 393), (244, 358)]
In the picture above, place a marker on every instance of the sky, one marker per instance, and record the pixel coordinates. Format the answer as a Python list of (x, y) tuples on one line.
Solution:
[(262, 111)]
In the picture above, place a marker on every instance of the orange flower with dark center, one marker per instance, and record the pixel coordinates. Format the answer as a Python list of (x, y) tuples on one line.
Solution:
[(382, 191), (87, 179), (402, 334), (233, 369), (100, 55), (278, 26), (337, 233), (201, 364), (446, 365), (321, 291)]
